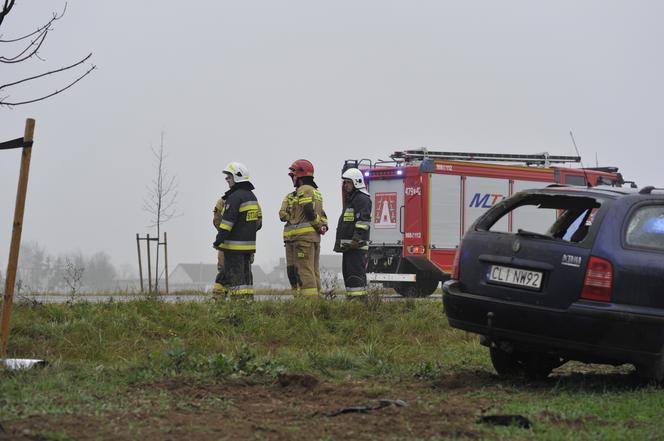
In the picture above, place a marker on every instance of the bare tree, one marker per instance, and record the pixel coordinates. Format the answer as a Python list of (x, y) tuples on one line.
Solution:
[(73, 276), (161, 199), (27, 47)]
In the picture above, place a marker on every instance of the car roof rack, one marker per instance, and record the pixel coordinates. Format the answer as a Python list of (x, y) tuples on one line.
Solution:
[(601, 188), (542, 159), (649, 189)]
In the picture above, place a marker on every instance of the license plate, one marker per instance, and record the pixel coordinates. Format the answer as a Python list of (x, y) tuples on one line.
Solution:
[(515, 276)]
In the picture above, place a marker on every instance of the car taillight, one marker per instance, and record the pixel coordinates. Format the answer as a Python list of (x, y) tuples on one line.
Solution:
[(598, 283), (455, 265)]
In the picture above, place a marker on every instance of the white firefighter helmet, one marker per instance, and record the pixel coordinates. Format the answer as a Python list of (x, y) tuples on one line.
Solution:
[(356, 177), (238, 170)]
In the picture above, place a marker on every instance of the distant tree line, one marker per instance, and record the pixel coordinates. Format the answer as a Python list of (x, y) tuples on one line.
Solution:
[(39, 271)]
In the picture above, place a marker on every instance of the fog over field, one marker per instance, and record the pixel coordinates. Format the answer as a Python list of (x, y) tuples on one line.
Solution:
[(267, 82)]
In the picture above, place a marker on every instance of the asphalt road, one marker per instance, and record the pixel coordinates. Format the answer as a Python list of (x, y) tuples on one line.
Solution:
[(47, 298)]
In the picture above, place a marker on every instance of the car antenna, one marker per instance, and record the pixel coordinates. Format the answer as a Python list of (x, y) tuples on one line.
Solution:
[(580, 160)]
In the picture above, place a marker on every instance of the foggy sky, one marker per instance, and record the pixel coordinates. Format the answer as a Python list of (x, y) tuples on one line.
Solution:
[(267, 82)]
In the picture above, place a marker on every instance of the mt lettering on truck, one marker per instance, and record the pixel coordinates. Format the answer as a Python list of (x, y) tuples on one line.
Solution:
[(486, 200)]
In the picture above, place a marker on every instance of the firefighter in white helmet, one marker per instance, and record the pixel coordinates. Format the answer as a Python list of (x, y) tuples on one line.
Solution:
[(239, 223), (352, 237), (302, 210)]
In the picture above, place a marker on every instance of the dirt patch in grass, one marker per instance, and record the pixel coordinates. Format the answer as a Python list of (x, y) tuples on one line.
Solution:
[(573, 423), (466, 381), (293, 408)]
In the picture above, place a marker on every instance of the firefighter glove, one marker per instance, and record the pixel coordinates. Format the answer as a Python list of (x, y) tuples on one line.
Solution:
[(219, 239), (322, 229)]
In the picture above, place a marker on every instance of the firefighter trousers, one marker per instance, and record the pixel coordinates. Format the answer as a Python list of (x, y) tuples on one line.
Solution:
[(302, 266), (217, 287), (354, 267), (236, 277), (290, 264)]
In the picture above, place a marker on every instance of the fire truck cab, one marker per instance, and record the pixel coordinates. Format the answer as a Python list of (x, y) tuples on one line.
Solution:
[(423, 202)]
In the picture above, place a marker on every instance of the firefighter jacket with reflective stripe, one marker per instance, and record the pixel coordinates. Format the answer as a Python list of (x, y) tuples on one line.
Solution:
[(354, 223), (306, 215), (285, 212), (241, 219), (218, 213)]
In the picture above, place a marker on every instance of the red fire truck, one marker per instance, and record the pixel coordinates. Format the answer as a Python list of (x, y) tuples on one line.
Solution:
[(423, 201)]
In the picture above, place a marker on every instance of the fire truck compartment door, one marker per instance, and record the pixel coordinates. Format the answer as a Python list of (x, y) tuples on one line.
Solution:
[(387, 199), (444, 210)]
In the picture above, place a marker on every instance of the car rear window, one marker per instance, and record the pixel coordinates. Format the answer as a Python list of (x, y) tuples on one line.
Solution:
[(646, 228), (562, 217)]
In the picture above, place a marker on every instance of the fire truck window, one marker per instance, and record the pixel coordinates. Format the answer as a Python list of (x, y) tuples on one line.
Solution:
[(575, 180), (605, 181)]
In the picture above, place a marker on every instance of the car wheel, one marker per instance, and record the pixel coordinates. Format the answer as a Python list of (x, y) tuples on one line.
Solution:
[(652, 372), (425, 286), (533, 365), (506, 364), (539, 366), (404, 289)]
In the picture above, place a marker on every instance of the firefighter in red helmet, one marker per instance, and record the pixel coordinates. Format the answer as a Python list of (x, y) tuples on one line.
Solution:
[(305, 221)]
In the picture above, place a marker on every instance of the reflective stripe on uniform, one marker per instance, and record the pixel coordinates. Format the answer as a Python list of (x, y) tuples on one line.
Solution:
[(218, 288), (249, 205), (308, 200), (349, 215), (361, 245), (292, 230), (362, 225), (238, 245), (241, 290), (308, 229), (309, 291), (226, 225), (359, 291)]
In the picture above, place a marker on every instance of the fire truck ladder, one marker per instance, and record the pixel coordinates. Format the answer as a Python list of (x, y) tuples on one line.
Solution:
[(541, 159)]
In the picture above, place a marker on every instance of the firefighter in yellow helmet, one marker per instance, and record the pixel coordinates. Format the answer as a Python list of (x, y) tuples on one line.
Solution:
[(236, 237), (302, 210)]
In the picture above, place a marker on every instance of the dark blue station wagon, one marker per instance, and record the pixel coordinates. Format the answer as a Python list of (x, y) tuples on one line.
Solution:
[(565, 273)]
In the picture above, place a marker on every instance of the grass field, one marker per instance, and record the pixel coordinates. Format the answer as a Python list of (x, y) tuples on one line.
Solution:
[(276, 370)]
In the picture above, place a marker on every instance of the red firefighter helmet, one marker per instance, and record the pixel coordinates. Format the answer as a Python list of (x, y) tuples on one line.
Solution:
[(301, 168)]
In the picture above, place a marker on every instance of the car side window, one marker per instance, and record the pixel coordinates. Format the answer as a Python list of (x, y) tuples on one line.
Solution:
[(646, 228)]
